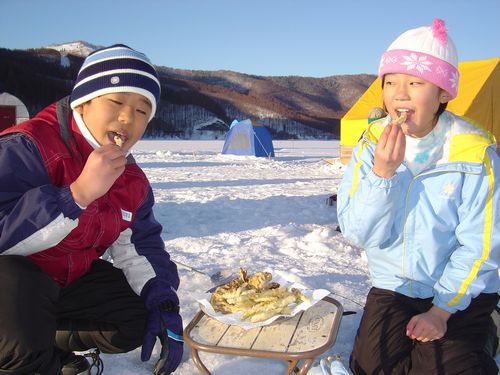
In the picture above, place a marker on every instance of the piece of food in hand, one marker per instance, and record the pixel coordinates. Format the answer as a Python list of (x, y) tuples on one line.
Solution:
[(403, 115), (256, 296), (118, 140)]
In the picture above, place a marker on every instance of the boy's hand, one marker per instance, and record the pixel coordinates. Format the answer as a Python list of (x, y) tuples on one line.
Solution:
[(390, 151), (428, 326), (167, 326), (100, 172)]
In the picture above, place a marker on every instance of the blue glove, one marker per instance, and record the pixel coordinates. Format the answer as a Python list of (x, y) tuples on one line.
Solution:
[(164, 322)]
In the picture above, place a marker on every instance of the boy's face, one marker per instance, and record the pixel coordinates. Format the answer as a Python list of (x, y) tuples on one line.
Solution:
[(124, 114), (418, 97)]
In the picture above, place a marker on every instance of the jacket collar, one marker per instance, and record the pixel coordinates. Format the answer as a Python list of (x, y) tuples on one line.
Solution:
[(464, 148), (85, 132)]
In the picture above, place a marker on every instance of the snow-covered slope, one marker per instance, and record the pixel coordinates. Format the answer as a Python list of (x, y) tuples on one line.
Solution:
[(224, 211), (77, 48)]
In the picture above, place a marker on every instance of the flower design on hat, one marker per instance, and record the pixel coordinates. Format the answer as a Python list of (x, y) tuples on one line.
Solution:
[(391, 60), (441, 71), (419, 63), (454, 79)]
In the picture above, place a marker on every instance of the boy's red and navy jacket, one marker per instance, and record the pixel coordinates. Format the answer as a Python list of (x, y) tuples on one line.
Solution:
[(40, 220)]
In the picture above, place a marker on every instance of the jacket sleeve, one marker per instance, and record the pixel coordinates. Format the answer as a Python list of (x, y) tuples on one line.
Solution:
[(367, 205), (140, 253), (473, 266), (34, 214)]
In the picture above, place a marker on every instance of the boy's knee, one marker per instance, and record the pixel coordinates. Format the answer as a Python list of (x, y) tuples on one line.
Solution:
[(130, 336), (127, 343), (80, 335)]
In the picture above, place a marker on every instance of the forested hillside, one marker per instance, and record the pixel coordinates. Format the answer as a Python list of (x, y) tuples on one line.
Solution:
[(200, 103)]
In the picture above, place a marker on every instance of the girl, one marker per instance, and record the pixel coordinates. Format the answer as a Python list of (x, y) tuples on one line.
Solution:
[(420, 195)]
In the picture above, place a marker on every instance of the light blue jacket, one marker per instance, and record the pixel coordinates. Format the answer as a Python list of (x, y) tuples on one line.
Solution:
[(436, 234)]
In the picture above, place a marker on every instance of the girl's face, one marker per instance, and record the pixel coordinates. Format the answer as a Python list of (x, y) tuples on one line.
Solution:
[(419, 98), (124, 114)]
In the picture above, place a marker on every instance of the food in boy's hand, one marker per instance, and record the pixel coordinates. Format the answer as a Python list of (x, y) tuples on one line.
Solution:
[(256, 296), (403, 115), (118, 140)]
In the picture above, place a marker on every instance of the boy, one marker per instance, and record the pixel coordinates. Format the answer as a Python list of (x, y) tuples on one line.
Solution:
[(69, 191)]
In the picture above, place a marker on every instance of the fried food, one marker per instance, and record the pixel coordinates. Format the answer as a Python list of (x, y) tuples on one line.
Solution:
[(402, 118), (256, 296), (259, 280), (118, 140)]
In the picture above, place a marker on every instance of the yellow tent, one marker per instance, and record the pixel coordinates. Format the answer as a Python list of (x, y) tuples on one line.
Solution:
[(478, 100)]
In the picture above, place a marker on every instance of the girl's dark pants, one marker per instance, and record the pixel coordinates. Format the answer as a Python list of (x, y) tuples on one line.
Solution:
[(382, 347), (40, 320)]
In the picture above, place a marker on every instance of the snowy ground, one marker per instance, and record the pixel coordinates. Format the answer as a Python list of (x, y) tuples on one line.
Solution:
[(222, 211)]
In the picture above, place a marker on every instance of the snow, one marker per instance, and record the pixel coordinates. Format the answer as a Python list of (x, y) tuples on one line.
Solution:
[(77, 48), (223, 212)]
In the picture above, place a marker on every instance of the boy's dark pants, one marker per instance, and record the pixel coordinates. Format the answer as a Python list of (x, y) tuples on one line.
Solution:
[(39, 320), (382, 347)]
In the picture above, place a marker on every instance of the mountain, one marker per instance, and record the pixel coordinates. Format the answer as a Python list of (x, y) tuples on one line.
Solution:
[(291, 106), (77, 48)]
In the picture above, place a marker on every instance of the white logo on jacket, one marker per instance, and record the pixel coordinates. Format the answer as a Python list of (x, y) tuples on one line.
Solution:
[(126, 215), (448, 190)]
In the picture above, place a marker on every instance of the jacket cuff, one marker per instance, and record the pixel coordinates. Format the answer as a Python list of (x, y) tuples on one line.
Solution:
[(156, 291), (443, 305), (67, 204), (385, 183)]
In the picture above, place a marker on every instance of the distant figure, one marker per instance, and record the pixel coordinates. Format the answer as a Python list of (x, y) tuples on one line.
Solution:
[(68, 192), (375, 114), (422, 197)]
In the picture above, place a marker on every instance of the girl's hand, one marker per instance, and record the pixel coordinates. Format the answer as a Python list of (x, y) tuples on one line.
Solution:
[(100, 172), (428, 326), (390, 151)]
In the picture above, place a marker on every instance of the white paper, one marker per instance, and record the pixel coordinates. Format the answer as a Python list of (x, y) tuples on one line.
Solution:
[(314, 296)]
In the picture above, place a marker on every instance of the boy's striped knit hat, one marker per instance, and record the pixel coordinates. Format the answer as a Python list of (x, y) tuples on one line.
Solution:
[(118, 68), (426, 52)]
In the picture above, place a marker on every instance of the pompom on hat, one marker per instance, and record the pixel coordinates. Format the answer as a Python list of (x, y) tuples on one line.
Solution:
[(117, 68), (426, 52)]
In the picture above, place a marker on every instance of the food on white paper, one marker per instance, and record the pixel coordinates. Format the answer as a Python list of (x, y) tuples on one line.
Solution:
[(256, 296)]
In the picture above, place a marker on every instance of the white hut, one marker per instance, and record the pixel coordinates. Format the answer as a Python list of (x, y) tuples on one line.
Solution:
[(12, 111)]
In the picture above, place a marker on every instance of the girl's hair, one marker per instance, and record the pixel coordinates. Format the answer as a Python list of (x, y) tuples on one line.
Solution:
[(441, 109)]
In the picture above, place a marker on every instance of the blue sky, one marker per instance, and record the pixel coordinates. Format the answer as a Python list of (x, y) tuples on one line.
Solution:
[(263, 37)]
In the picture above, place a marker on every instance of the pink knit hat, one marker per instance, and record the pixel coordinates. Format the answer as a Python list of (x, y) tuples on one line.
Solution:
[(426, 52)]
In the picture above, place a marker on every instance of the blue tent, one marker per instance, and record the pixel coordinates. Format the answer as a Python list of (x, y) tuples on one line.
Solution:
[(248, 138)]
